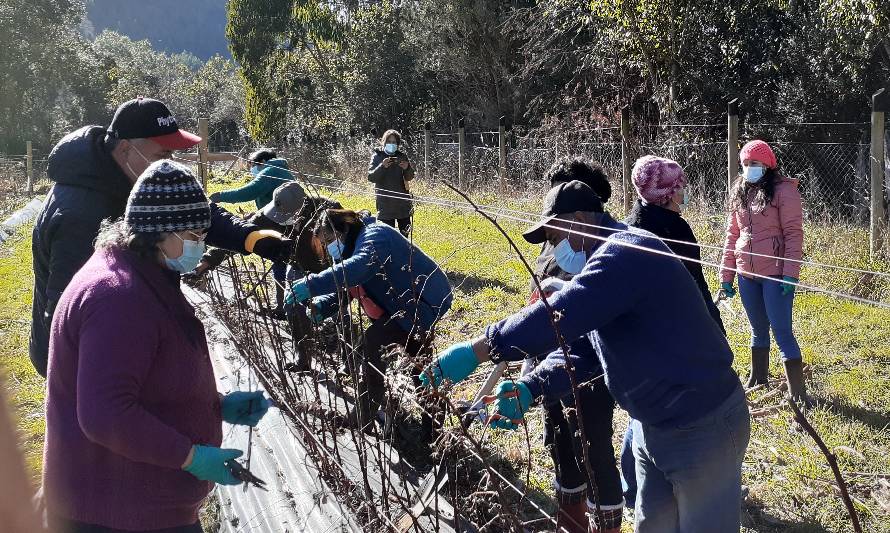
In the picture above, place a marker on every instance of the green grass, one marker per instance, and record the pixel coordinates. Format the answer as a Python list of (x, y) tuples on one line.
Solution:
[(846, 344)]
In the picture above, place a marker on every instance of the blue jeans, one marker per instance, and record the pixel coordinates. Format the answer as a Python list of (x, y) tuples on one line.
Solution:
[(689, 477), (767, 308), (629, 468)]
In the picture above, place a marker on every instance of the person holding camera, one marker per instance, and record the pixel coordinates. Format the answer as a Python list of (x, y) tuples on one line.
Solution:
[(389, 171)]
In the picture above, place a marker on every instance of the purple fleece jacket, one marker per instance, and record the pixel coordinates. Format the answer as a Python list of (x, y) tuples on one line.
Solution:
[(131, 388)]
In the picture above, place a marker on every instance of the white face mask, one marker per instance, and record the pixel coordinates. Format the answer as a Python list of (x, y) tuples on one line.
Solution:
[(147, 162), (568, 259)]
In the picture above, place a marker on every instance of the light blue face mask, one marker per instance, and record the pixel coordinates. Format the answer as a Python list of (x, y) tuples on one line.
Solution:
[(568, 259), (335, 249), (685, 203), (753, 174), (192, 251), (254, 170), (391, 148)]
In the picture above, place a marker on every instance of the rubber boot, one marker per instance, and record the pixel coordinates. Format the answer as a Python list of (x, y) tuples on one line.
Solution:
[(759, 367), (572, 517), (797, 388)]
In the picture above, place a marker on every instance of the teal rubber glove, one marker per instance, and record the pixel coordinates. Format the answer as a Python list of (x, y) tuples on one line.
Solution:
[(728, 289), (298, 293), (244, 408), (788, 288), (208, 464), (455, 363), (513, 400)]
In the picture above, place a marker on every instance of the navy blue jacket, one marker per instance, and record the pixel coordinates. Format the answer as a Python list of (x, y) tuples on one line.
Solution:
[(395, 274), (89, 188), (665, 360)]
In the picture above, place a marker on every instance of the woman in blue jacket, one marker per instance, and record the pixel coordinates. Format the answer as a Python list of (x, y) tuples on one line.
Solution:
[(401, 290)]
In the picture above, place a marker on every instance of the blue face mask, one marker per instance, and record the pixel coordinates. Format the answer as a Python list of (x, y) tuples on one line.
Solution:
[(568, 259), (192, 251), (391, 148), (685, 203), (254, 170), (335, 249), (753, 174)]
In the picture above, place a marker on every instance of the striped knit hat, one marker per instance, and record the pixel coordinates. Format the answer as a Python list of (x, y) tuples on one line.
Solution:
[(167, 198)]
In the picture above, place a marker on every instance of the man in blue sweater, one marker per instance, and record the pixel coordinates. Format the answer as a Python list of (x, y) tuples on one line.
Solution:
[(664, 360)]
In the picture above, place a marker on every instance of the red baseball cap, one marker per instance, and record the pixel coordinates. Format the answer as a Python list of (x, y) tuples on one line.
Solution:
[(146, 118)]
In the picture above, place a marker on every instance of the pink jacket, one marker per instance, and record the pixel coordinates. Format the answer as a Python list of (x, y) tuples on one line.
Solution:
[(775, 230)]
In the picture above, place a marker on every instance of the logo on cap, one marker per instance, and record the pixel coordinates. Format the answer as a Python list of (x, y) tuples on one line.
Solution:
[(167, 121)]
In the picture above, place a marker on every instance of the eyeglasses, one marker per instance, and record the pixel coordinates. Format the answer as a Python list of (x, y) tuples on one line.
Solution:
[(197, 237)]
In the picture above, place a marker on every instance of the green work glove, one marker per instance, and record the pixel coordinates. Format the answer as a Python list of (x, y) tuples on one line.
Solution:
[(513, 400), (298, 293), (455, 363), (208, 464), (728, 289), (244, 408), (787, 287)]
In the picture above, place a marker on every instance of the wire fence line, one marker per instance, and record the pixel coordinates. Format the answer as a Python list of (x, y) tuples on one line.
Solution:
[(833, 175)]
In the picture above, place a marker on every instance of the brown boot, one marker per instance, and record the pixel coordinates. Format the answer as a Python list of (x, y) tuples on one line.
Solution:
[(572, 517), (797, 388), (759, 367)]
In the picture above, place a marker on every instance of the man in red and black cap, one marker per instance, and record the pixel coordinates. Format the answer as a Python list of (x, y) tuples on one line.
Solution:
[(93, 170)]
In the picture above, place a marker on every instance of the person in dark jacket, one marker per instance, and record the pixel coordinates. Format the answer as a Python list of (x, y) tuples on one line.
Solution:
[(94, 169), (133, 416), (402, 291), (561, 435), (661, 186), (665, 362), (390, 170), (269, 172)]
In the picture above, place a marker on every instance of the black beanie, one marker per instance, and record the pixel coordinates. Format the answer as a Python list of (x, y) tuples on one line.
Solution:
[(167, 197)]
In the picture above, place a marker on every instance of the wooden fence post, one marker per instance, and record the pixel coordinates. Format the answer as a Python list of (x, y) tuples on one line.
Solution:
[(427, 150), (732, 144), (626, 163), (502, 154), (461, 145), (203, 150), (880, 105), (29, 166)]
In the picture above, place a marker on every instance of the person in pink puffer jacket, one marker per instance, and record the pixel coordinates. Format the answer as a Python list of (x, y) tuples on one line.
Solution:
[(764, 243)]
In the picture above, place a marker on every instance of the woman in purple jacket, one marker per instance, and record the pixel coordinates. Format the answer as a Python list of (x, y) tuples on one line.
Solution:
[(134, 421)]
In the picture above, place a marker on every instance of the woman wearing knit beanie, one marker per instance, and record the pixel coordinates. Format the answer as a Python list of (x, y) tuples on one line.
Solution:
[(134, 421), (764, 244), (661, 186)]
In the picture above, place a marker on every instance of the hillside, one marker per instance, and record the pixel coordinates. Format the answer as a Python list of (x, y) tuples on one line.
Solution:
[(199, 27)]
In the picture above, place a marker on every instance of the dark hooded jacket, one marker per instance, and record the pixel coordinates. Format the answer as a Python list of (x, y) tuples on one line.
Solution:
[(89, 188), (391, 185), (668, 224)]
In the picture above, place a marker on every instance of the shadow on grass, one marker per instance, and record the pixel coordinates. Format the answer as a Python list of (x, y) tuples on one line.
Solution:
[(472, 283), (874, 419), (756, 519)]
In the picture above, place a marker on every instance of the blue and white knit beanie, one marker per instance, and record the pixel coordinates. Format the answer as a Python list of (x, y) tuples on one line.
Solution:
[(167, 197)]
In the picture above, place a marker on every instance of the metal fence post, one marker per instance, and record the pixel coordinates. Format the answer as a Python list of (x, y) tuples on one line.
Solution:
[(427, 147), (880, 105), (732, 144), (626, 163), (203, 160), (29, 166), (461, 145), (502, 154)]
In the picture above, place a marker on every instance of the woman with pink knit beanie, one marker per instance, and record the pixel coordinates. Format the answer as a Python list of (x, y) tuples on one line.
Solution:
[(764, 244)]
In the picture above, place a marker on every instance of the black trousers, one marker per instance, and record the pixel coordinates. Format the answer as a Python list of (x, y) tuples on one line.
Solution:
[(380, 334), (404, 224), (566, 448), (63, 525)]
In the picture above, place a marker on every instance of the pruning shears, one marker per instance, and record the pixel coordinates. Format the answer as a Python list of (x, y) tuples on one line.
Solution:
[(478, 409), (243, 474)]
